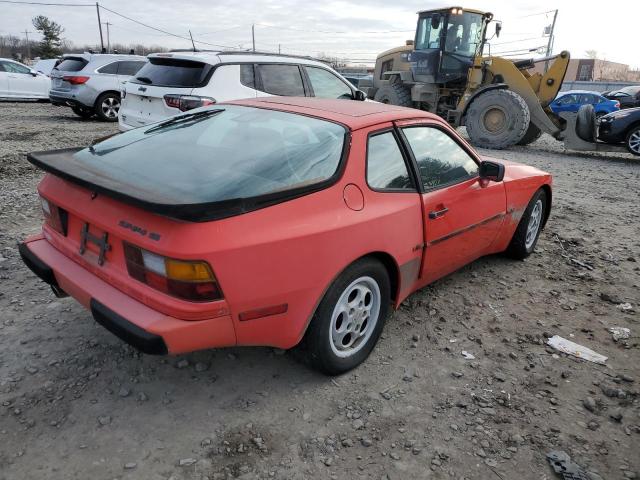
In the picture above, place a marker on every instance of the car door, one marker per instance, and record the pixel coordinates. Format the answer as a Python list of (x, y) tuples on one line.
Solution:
[(462, 215), (280, 79), (4, 81), (325, 84), (21, 82)]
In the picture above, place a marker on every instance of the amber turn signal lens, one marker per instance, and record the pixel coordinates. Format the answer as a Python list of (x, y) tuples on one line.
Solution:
[(188, 271)]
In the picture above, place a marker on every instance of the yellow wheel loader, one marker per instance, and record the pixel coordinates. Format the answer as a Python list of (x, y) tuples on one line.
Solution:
[(444, 71)]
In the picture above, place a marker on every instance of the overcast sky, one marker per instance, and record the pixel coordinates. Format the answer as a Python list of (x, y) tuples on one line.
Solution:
[(344, 28)]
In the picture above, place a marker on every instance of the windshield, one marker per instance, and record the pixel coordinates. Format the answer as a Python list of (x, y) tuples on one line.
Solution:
[(631, 90), (462, 34), (216, 154)]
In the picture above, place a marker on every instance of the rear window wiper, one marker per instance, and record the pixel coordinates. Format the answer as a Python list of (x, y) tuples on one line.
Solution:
[(184, 119), (145, 79)]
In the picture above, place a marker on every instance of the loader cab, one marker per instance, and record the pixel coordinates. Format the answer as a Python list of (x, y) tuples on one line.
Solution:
[(446, 44)]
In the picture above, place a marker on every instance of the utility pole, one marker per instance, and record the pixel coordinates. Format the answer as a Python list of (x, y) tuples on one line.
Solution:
[(278, 49), (26, 34), (108, 37), (253, 36), (100, 28), (550, 42)]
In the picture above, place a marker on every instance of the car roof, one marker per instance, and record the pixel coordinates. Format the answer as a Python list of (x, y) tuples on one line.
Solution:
[(104, 57), (215, 57), (579, 91), (351, 113)]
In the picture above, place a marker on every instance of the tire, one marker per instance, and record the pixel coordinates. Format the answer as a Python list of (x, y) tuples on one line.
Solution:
[(107, 106), (395, 93), (633, 140), (497, 119), (524, 241), (533, 133), (586, 123), (330, 348), (82, 112)]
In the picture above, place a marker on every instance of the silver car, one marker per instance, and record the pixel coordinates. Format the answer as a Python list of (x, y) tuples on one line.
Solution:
[(90, 83)]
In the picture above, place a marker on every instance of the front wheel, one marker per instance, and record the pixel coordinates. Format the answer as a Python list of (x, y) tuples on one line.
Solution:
[(350, 318), (108, 106), (633, 140), (528, 231)]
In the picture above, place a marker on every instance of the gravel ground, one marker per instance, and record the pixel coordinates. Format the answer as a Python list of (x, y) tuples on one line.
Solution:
[(78, 403)]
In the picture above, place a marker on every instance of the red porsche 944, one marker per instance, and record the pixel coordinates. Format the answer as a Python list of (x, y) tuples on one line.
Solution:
[(274, 222)]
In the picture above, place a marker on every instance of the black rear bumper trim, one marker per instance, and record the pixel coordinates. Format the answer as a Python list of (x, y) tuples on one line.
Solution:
[(37, 266), (131, 333)]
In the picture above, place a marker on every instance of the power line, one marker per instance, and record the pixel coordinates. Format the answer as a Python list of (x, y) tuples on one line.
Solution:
[(329, 31), (50, 3)]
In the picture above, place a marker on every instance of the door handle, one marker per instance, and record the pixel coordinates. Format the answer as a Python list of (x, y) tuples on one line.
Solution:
[(438, 213)]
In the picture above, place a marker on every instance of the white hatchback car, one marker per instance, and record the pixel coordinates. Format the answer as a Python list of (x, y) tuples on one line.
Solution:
[(174, 82), (17, 81)]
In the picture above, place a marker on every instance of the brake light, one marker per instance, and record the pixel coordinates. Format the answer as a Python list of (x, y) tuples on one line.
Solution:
[(75, 79), (187, 102), (185, 279), (54, 216), (617, 104)]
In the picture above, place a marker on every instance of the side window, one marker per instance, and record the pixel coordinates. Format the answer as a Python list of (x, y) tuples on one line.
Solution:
[(15, 68), (282, 80), (2, 69), (386, 168), (247, 75), (129, 68), (385, 67), (326, 85), (441, 161), (110, 68)]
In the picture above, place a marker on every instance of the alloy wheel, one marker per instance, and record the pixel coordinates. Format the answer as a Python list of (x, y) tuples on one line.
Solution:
[(110, 107), (535, 219)]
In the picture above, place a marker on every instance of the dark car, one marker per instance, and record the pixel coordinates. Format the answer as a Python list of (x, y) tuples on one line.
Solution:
[(628, 97), (622, 126)]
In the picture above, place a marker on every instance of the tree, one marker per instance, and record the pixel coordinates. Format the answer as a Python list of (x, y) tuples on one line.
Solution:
[(51, 44), (593, 54)]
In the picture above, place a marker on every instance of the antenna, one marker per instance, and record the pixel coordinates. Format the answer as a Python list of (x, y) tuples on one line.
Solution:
[(192, 42)]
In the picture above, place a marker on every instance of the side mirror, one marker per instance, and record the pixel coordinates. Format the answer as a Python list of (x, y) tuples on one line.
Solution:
[(498, 29), (360, 95), (492, 171), (33, 72)]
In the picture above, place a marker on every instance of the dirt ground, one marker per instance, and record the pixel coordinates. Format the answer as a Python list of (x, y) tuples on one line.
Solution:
[(77, 403)]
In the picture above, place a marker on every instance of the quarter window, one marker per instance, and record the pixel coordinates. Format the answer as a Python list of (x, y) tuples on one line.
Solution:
[(111, 68), (129, 68), (247, 76), (282, 80), (326, 85), (441, 161), (386, 168)]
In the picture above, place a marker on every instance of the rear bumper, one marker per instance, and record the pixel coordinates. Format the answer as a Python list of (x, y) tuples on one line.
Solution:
[(67, 101), (146, 329)]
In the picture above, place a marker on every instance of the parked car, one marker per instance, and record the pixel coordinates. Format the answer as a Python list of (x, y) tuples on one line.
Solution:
[(90, 83), (628, 97), (17, 81), (622, 127), (266, 221), (572, 100), (46, 66), (179, 81)]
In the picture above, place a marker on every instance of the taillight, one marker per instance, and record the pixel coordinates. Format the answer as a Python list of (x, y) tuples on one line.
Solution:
[(75, 79), (187, 102), (185, 279), (54, 216), (617, 104)]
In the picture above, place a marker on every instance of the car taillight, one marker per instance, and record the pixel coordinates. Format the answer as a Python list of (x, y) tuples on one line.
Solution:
[(54, 216), (187, 102), (185, 279), (75, 79), (617, 104)]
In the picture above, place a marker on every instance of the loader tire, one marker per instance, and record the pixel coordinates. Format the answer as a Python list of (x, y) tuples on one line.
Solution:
[(533, 134), (497, 119), (394, 93), (585, 123)]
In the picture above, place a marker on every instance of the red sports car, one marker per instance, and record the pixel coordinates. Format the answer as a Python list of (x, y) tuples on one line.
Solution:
[(274, 221)]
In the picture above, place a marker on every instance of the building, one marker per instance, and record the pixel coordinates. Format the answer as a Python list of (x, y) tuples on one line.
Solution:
[(596, 70)]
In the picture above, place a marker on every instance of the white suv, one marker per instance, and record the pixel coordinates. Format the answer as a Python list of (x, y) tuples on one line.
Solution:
[(174, 82)]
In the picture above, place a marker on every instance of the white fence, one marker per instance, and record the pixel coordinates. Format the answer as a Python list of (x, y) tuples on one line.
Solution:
[(594, 86)]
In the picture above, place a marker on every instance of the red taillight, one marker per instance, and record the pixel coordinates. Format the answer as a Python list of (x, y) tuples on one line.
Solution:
[(187, 102), (75, 79), (185, 279), (617, 104), (54, 216)]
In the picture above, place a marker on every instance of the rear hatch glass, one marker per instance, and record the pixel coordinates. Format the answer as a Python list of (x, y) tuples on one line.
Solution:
[(211, 163), (71, 64), (171, 72)]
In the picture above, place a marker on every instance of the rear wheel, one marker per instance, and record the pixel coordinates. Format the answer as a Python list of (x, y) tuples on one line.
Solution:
[(83, 112), (107, 107), (533, 134), (394, 93), (585, 123), (633, 140), (528, 231), (350, 318), (497, 119)]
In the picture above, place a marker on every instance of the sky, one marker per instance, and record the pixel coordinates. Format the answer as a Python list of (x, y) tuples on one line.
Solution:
[(356, 31)]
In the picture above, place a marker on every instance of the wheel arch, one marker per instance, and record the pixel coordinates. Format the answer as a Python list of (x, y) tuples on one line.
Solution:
[(546, 188), (95, 103)]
